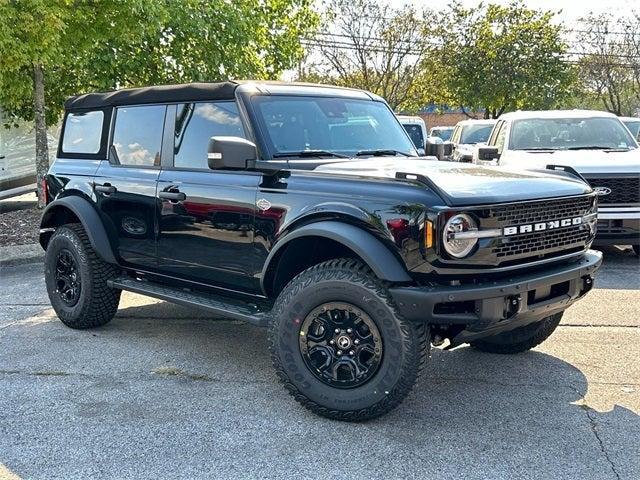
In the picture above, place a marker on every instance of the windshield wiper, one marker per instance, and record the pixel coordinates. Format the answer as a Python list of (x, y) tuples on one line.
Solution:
[(592, 147), (309, 153), (381, 153)]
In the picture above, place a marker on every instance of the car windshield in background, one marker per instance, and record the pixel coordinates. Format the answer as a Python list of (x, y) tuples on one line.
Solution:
[(339, 126), (570, 134), (634, 128), (415, 133), (443, 133), (475, 133)]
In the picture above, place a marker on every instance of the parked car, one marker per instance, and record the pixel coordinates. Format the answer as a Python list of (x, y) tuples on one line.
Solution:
[(466, 135), (17, 157), (441, 132), (305, 209), (595, 144), (633, 124), (417, 130)]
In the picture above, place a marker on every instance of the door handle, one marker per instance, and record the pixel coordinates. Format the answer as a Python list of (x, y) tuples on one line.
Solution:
[(174, 196), (106, 188)]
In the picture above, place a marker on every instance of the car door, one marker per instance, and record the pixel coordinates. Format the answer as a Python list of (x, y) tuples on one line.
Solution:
[(125, 185), (206, 222)]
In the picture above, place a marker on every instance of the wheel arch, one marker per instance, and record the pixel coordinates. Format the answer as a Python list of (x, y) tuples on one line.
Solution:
[(336, 239), (74, 209)]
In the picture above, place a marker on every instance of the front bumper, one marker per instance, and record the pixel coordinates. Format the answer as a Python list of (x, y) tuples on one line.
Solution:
[(491, 307), (618, 226)]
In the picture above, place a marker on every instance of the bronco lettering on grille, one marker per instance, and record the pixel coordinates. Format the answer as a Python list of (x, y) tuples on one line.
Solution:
[(539, 227)]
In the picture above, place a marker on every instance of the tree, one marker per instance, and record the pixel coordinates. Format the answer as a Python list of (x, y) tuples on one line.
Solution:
[(610, 62), (372, 46), (50, 49), (498, 58)]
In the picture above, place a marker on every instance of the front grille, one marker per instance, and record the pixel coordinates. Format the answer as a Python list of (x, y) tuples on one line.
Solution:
[(545, 243), (532, 212), (567, 238), (624, 190)]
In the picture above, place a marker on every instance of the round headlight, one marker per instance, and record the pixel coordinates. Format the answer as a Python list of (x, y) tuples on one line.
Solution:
[(459, 247)]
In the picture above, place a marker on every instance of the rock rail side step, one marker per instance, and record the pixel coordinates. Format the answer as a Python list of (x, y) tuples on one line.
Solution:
[(238, 309)]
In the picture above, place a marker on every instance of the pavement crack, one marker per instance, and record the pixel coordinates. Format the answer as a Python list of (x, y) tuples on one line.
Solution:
[(594, 428)]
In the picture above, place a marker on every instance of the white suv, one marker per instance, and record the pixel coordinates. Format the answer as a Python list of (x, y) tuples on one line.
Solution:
[(595, 144)]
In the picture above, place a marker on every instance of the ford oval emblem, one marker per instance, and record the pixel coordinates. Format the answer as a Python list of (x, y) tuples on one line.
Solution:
[(602, 191)]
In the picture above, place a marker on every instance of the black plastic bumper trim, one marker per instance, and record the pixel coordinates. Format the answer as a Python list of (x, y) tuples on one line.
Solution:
[(491, 298)]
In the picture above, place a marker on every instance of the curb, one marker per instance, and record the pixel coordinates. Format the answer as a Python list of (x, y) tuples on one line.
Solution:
[(21, 254)]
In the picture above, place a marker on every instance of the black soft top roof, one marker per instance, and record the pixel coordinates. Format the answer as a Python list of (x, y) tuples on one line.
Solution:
[(158, 94)]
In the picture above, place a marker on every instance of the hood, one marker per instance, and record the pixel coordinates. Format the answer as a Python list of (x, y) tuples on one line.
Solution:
[(584, 161), (467, 184)]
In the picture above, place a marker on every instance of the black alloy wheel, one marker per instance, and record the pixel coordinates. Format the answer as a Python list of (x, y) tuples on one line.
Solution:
[(341, 345), (67, 278)]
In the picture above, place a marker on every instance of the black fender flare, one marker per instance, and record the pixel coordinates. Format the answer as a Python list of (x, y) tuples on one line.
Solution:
[(89, 219), (371, 250)]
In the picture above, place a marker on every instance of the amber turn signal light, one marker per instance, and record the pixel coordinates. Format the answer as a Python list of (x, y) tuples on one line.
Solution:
[(428, 234)]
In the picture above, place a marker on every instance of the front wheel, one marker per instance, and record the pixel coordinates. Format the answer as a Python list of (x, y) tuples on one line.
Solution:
[(339, 345), (520, 339)]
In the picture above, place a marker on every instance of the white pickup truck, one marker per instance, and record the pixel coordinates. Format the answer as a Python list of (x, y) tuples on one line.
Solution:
[(597, 145)]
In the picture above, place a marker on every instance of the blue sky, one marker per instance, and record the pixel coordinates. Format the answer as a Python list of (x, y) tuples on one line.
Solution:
[(571, 9)]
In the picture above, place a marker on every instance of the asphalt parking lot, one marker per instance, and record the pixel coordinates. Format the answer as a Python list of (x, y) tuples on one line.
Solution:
[(165, 392)]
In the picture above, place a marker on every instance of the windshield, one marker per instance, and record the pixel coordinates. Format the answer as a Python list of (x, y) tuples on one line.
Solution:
[(475, 133), (415, 133), (570, 134), (443, 133), (634, 128), (342, 126)]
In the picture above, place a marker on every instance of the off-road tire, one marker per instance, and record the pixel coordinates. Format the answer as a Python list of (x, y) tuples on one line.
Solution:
[(521, 339), (405, 344), (97, 303)]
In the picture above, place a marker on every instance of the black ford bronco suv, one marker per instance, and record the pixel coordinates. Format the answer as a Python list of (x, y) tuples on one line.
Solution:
[(306, 209)]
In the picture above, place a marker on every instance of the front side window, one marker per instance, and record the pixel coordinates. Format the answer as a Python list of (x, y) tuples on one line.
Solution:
[(196, 123), (570, 134), (83, 132), (343, 126), (501, 137), (137, 137), (415, 133), (634, 128), (472, 134)]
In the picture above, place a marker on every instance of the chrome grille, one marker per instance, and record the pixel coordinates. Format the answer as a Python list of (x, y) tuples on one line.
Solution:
[(624, 190)]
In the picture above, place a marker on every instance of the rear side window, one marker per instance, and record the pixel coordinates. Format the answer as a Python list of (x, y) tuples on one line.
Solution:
[(137, 137), (83, 132), (196, 123)]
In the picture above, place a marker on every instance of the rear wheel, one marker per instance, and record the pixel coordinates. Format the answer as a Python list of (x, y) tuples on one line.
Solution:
[(76, 280), (520, 339), (339, 345)]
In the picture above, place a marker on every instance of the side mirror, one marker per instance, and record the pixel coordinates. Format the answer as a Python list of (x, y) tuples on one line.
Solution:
[(488, 153), (448, 149), (232, 153), (433, 147)]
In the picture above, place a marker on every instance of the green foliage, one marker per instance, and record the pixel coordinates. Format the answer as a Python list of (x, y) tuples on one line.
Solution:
[(106, 44), (376, 48), (498, 58)]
